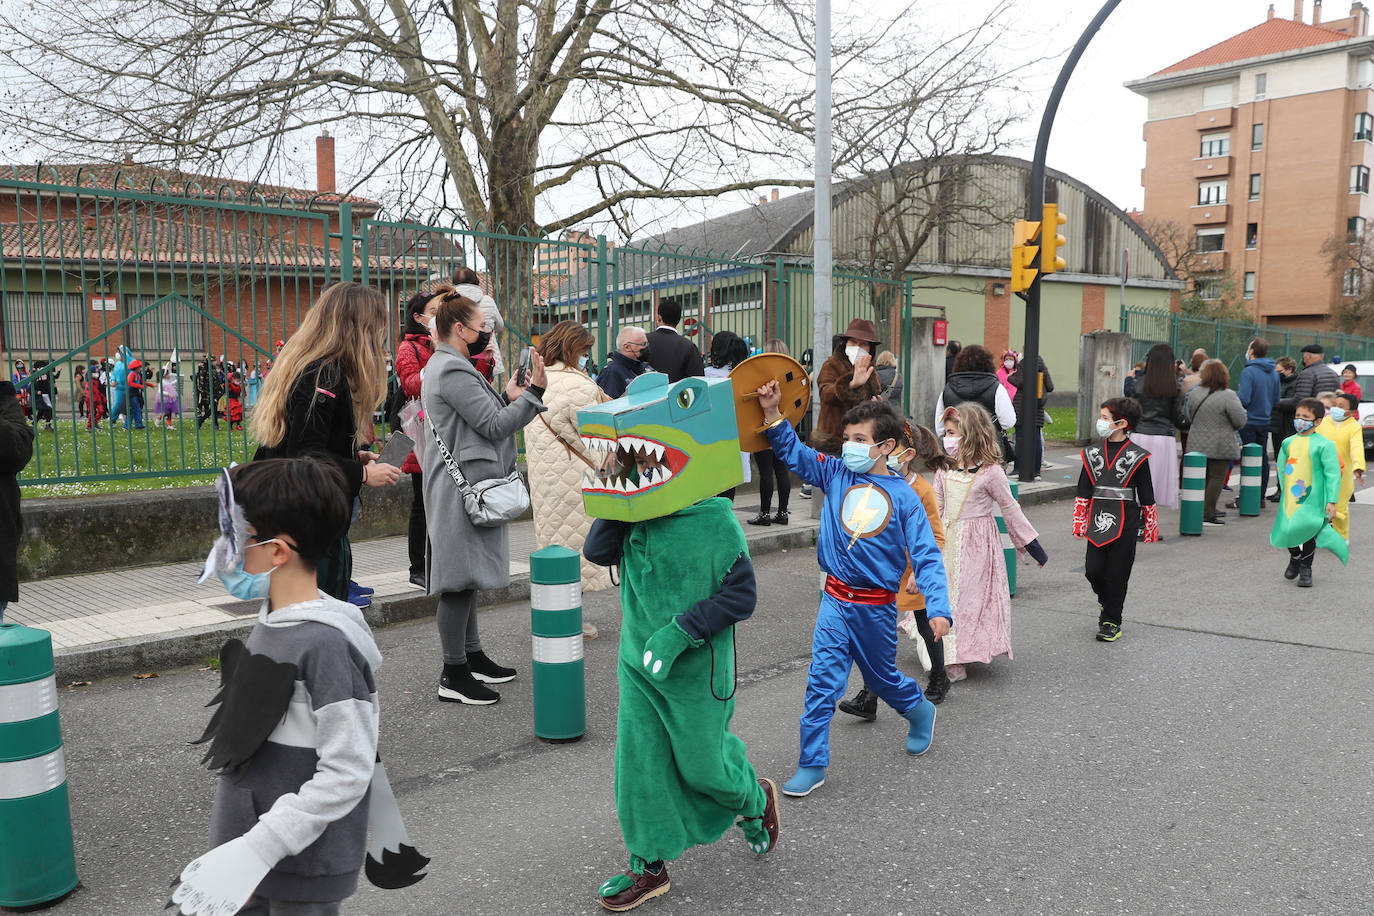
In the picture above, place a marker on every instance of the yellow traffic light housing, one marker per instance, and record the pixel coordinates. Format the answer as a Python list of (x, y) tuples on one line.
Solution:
[(1025, 247), (1050, 261)]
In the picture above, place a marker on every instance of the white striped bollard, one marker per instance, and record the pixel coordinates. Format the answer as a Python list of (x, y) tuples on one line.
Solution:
[(1251, 465), (37, 856), (560, 683), (1191, 493), (1008, 549)]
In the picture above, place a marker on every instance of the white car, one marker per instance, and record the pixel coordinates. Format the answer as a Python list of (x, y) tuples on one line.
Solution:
[(1364, 374)]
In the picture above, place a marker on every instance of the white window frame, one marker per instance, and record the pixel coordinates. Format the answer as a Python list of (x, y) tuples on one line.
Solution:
[(1359, 179), (1211, 193), (1257, 136), (1249, 292), (1218, 95), (1350, 282), (1207, 287), (1215, 145), (1364, 126), (1255, 185), (1210, 233), (1261, 86), (1251, 244), (1354, 229)]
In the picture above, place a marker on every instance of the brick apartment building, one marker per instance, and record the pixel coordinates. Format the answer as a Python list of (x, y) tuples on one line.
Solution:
[(1262, 146)]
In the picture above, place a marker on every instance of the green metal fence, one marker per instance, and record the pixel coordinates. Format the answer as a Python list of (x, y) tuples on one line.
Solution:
[(1228, 340), (201, 285)]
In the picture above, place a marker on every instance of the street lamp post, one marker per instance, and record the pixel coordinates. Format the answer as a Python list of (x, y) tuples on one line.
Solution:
[(821, 257), (1028, 433)]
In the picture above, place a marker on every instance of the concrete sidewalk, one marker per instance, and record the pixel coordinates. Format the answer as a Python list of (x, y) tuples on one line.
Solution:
[(151, 617)]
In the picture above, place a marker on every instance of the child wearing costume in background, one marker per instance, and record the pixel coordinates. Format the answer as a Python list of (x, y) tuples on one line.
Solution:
[(1113, 506), (871, 522), (918, 448), (1309, 484), (133, 393), (974, 564), (294, 734), (1342, 426)]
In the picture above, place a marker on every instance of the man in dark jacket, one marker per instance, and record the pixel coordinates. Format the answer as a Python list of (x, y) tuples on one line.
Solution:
[(16, 448), (1280, 419), (1315, 377), (626, 363), (1017, 380), (669, 352), (1260, 390)]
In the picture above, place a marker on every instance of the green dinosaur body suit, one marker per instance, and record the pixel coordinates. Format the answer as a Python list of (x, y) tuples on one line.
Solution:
[(681, 777)]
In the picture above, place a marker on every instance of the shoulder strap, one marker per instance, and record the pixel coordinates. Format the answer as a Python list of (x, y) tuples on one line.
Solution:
[(564, 442), (453, 470)]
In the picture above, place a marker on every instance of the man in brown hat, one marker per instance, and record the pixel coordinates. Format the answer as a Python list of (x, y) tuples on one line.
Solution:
[(846, 379)]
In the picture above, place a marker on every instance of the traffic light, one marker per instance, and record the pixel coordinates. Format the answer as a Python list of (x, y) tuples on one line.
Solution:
[(1050, 261), (1025, 247)]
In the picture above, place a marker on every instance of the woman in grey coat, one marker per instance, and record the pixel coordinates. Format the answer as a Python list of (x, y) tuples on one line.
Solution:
[(477, 426), (1216, 415)]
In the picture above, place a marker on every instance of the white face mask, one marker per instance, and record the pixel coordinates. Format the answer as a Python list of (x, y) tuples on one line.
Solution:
[(853, 353), (952, 445), (1337, 414), (1008, 364), (429, 323)]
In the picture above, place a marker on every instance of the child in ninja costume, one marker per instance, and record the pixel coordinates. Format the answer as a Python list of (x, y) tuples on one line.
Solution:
[(1113, 507), (1309, 470), (681, 777), (295, 732), (872, 521)]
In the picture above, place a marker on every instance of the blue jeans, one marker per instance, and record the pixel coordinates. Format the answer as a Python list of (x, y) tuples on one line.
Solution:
[(134, 413), (1250, 434), (850, 634)]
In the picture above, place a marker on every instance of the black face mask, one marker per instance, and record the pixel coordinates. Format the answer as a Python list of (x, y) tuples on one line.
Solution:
[(644, 355), (480, 344)]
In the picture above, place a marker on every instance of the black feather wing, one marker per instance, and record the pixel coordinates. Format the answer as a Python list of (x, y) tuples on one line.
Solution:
[(254, 694)]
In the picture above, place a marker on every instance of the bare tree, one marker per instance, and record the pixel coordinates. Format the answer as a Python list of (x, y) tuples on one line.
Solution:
[(1212, 293), (1351, 261), (1177, 242)]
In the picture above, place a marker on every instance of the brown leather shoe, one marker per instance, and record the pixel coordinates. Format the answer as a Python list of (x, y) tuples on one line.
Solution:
[(771, 820), (641, 888)]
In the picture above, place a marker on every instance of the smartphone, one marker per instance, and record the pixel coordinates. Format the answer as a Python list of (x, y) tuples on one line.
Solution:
[(522, 371), (397, 447)]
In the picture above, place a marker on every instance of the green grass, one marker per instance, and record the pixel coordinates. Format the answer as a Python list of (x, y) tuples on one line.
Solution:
[(1063, 425)]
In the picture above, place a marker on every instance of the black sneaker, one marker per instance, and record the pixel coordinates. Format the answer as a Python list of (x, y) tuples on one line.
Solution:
[(1108, 631), (1214, 521), (457, 685), (937, 687), (864, 705), (763, 518), (805, 491), (781, 518), (1305, 577), (487, 671), (1292, 571)]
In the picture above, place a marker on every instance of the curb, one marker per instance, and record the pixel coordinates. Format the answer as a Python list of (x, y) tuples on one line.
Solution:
[(195, 646)]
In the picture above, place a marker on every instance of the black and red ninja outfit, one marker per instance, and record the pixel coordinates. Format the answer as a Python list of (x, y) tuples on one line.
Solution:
[(1114, 506)]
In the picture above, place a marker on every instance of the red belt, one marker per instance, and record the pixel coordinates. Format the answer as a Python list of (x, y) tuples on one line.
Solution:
[(845, 592)]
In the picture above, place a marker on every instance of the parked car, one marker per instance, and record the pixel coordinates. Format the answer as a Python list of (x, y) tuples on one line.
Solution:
[(1364, 374)]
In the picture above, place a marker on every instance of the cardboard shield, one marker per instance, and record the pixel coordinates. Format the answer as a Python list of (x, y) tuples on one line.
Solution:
[(751, 375)]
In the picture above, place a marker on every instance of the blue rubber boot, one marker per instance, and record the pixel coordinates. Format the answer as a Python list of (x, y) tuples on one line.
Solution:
[(805, 781), (922, 732)]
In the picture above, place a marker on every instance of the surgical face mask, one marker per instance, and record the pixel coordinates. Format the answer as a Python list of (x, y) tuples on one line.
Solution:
[(1104, 427), (1302, 425), (858, 457), (897, 459), (582, 362), (429, 322), (244, 585), (951, 445), (1008, 364), (1337, 414), (854, 353)]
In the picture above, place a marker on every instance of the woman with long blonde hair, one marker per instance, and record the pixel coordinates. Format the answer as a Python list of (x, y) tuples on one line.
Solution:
[(319, 398), (968, 494)]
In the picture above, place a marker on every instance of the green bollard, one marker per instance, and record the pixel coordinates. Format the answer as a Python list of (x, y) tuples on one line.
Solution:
[(560, 684), (1191, 493), (1008, 550), (1251, 462), (37, 856)]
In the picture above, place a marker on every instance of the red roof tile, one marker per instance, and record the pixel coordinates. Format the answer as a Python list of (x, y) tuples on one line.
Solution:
[(149, 179), (1273, 36)]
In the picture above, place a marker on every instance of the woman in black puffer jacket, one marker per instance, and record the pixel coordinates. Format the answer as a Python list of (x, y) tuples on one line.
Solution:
[(975, 379)]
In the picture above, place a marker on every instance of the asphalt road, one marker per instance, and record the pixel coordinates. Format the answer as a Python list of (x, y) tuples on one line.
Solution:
[(1215, 760)]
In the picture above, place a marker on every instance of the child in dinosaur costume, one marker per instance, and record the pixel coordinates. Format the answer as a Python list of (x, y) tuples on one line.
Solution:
[(681, 777)]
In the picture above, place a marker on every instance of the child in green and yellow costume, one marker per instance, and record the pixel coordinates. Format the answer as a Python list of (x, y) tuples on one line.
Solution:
[(1309, 486), (681, 777)]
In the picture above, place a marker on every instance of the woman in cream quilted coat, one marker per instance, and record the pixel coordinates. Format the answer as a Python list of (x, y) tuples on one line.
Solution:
[(552, 449)]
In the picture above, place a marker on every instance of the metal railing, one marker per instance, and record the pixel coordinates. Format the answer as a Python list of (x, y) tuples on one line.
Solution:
[(1228, 340), (201, 285)]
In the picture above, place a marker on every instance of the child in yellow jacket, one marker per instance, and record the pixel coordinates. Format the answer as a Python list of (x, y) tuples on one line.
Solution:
[(1341, 425)]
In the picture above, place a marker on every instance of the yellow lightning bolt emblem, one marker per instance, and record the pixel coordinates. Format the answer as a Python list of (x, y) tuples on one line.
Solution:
[(862, 515)]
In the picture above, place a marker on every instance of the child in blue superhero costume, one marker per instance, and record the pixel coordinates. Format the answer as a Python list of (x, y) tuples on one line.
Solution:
[(871, 522)]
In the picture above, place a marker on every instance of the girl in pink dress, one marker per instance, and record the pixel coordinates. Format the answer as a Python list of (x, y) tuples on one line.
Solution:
[(968, 495)]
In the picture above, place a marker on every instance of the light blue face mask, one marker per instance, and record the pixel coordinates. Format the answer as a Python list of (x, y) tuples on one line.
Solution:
[(244, 585), (857, 458), (582, 363), (1337, 414)]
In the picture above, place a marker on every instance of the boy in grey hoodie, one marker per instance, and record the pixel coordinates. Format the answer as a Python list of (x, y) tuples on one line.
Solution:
[(294, 733)]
